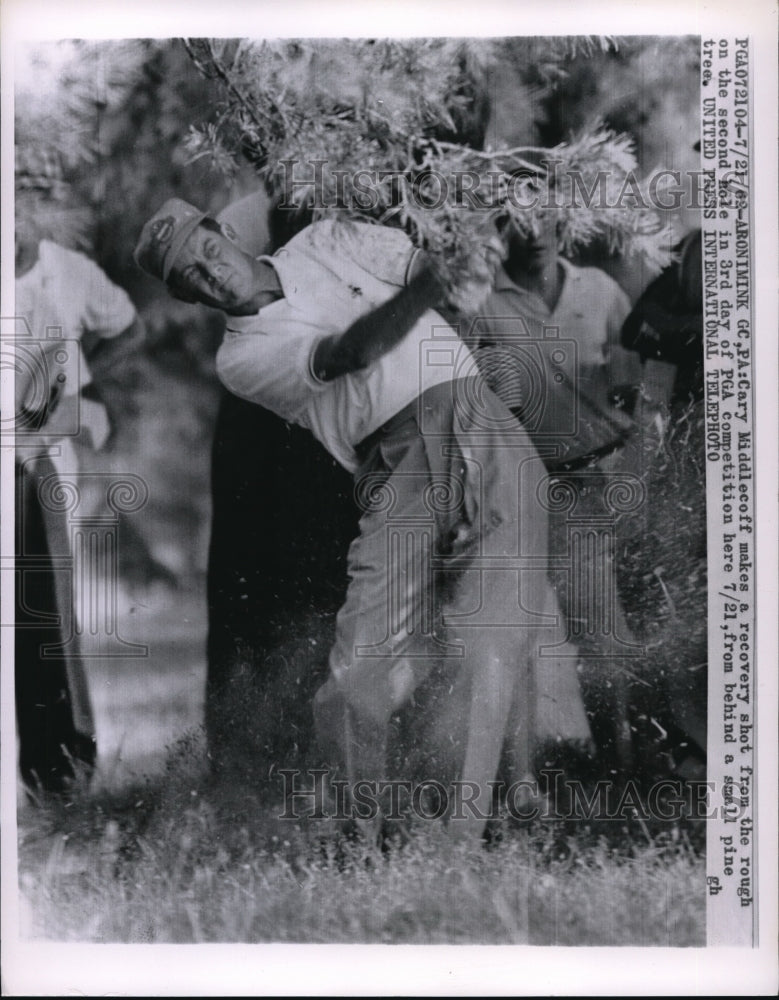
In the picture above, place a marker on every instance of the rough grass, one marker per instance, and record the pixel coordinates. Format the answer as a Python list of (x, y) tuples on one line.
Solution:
[(181, 859)]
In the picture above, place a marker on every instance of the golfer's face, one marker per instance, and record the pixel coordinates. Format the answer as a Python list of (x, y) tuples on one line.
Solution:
[(213, 270)]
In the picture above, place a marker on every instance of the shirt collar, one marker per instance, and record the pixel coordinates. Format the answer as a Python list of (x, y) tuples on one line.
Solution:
[(250, 324), (241, 324), (504, 283)]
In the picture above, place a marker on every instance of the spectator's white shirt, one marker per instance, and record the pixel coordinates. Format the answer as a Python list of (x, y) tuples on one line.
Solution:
[(332, 273), (66, 290), (62, 297), (591, 310)]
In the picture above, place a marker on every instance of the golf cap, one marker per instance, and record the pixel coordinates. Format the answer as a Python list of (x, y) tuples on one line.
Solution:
[(164, 235)]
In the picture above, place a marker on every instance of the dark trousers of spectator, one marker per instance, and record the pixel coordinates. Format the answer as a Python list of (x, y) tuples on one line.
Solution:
[(51, 747)]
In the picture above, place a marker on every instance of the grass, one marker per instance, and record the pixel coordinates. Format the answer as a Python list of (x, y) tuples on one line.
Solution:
[(182, 859)]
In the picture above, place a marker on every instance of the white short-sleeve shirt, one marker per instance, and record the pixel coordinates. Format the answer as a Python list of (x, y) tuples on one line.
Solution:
[(63, 296), (591, 310), (65, 291), (332, 273)]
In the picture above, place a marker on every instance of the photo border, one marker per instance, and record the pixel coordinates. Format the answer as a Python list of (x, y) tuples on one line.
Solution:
[(203, 970)]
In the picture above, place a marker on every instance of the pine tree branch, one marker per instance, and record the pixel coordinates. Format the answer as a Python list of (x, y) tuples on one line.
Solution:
[(221, 72)]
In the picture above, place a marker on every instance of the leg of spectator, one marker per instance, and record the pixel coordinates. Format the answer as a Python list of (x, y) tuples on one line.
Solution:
[(49, 741)]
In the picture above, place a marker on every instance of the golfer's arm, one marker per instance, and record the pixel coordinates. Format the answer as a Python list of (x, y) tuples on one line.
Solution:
[(379, 331)]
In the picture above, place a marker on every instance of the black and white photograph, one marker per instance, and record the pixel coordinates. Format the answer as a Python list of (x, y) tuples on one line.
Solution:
[(385, 447)]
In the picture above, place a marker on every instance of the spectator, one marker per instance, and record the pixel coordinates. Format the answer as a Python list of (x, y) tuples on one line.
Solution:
[(577, 412), (61, 297), (665, 329)]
